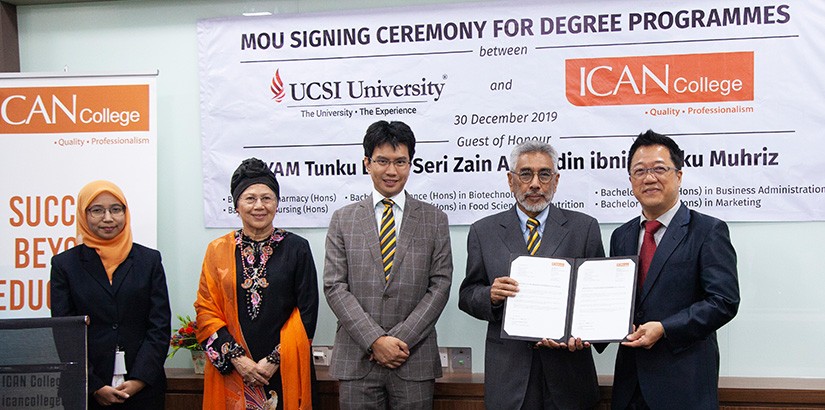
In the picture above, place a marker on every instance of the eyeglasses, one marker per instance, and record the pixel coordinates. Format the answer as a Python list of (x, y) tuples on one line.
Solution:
[(252, 200), (526, 175), (400, 163), (98, 212), (657, 171)]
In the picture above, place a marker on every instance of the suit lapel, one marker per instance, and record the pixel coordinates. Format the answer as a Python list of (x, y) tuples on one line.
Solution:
[(121, 273), (553, 233), (627, 239), (366, 218), (94, 267), (510, 233), (407, 231), (674, 235)]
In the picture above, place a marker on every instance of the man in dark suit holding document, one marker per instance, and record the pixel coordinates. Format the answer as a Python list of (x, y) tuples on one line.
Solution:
[(519, 374), (687, 288)]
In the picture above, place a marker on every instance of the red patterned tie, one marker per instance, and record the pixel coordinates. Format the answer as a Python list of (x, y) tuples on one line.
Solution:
[(648, 249)]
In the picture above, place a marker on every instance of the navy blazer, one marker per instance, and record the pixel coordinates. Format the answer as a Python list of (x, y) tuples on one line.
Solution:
[(693, 290), (490, 244), (131, 313)]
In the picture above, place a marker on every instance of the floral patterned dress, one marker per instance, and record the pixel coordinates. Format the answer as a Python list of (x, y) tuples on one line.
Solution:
[(274, 276)]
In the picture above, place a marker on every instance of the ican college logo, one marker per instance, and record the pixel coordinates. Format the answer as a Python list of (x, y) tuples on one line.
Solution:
[(680, 78)]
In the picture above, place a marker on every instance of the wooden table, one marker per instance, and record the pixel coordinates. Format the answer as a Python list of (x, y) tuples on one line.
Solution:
[(459, 391)]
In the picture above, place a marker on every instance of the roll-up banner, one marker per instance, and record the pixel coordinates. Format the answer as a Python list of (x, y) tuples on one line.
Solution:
[(58, 133)]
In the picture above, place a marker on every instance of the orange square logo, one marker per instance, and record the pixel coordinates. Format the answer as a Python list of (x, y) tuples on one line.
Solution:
[(680, 78), (109, 108)]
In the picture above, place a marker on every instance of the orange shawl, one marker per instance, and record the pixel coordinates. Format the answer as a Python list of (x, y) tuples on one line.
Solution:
[(216, 307), (113, 251)]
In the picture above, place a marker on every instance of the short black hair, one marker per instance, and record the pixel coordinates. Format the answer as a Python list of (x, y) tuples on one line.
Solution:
[(649, 138), (394, 133)]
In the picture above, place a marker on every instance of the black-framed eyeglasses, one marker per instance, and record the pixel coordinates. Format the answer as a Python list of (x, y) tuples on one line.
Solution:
[(657, 171), (526, 175), (399, 163), (99, 211)]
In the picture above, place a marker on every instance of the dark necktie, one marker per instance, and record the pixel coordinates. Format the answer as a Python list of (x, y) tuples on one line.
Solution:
[(648, 249), (386, 235), (533, 239)]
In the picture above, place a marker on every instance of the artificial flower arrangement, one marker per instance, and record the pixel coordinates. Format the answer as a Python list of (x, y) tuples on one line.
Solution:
[(184, 337)]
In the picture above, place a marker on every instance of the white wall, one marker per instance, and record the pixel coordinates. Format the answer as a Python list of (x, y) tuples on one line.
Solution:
[(782, 315)]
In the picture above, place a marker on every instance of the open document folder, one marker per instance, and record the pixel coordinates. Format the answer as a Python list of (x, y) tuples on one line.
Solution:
[(588, 298)]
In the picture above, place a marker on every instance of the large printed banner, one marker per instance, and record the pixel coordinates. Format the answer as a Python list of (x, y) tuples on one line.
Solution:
[(738, 84), (58, 133)]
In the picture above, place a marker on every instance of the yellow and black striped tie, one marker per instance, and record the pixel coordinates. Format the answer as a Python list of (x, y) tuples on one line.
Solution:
[(386, 235), (533, 238)]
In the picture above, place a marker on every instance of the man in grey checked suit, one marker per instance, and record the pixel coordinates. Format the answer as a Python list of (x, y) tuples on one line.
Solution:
[(386, 350), (519, 374)]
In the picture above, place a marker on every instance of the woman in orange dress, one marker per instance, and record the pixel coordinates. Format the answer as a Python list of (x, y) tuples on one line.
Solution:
[(257, 305)]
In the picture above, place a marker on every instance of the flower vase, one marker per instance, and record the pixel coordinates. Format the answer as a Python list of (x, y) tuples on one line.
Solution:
[(198, 360)]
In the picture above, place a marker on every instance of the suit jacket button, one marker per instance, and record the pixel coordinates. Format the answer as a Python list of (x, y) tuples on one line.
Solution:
[(640, 314), (385, 297), (114, 326)]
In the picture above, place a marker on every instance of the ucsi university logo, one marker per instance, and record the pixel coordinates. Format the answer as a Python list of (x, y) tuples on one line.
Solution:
[(277, 87), (314, 91), (681, 78), (353, 90)]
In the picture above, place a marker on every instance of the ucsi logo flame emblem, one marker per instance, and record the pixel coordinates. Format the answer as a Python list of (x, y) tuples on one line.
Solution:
[(277, 87)]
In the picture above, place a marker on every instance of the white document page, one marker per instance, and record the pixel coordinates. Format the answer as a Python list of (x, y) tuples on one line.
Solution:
[(604, 297), (539, 308)]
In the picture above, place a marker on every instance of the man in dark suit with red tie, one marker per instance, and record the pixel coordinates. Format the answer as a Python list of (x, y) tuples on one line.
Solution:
[(688, 288)]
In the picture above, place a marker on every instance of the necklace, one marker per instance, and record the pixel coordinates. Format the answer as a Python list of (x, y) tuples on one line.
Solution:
[(254, 256)]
